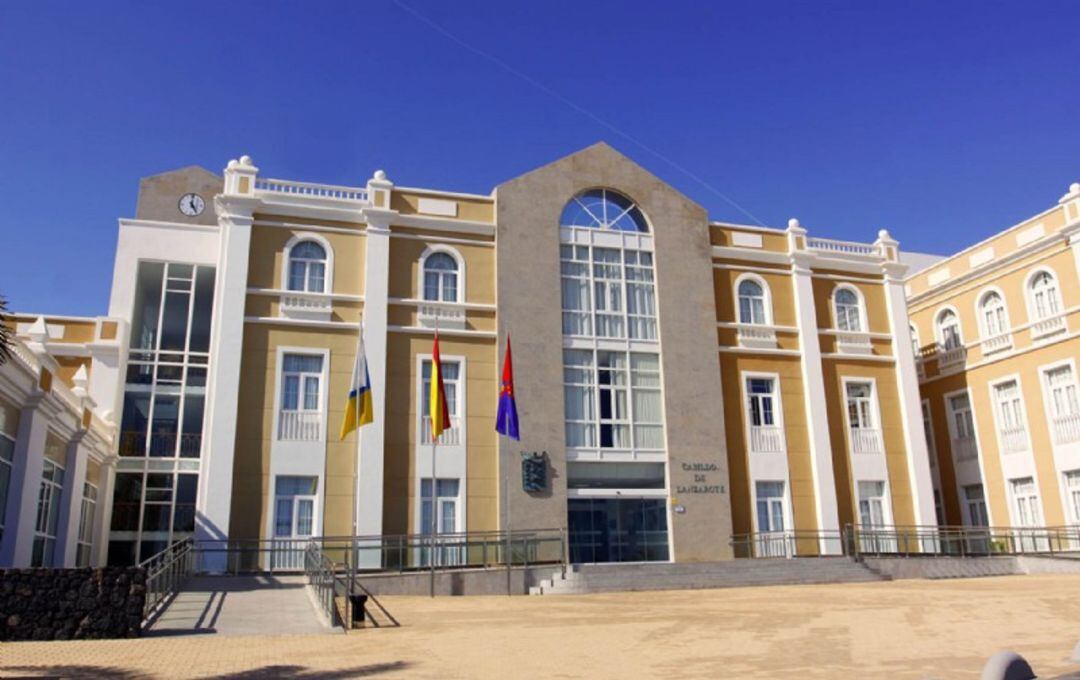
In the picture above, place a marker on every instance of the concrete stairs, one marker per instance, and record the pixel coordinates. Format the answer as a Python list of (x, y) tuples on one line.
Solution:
[(945, 567), (603, 578)]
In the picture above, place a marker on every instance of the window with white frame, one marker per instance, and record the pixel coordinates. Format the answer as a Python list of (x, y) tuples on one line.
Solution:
[(307, 267), (862, 417), (613, 399), (1072, 488), (445, 520), (765, 433), (753, 302), (1009, 409), (48, 515), (916, 347), (994, 317), (84, 549), (963, 427), (928, 433), (1064, 405), (294, 506), (770, 506), (7, 461), (300, 416), (949, 330), (873, 507), (976, 506), (603, 209), (1026, 502), (440, 278), (451, 375), (608, 292), (848, 310), (1045, 301)]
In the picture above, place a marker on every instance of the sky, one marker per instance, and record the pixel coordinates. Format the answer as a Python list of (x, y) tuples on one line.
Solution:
[(943, 122)]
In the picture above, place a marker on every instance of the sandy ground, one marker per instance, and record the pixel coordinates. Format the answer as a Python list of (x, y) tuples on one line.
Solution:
[(900, 629)]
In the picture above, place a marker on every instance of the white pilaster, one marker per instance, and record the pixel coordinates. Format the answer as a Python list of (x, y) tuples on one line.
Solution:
[(907, 382), (25, 485), (106, 484), (817, 416), (235, 210), (71, 494), (369, 489)]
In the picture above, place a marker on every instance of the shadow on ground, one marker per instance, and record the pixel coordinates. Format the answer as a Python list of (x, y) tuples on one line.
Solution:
[(284, 672)]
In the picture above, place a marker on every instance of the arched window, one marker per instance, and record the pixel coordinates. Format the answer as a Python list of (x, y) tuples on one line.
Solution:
[(916, 346), (440, 278), (994, 319), (1045, 301), (753, 302), (848, 310), (307, 267), (949, 330), (603, 209)]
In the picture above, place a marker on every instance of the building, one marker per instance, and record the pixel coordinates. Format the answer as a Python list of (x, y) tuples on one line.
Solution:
[(995, 327), (698, 390)]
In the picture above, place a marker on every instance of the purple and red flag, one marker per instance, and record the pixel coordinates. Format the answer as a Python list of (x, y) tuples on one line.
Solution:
[(506, 421)]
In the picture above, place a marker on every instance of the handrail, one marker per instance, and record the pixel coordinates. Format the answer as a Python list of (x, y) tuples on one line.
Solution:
[(321, 575), (165, 573)]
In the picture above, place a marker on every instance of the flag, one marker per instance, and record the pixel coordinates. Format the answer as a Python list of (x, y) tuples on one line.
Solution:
[(506, 421), (438, 409), (358, 409)]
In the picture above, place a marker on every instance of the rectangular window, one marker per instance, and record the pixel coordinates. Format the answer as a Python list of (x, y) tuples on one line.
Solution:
[(613, 399), (294, 506), (7, 461), (873, 510), (765, 433), (591, 475), (1072, 488), (300, 417), (87, 514), (770, 506), (1012, 431), (1064, 406), (1026, 502), (608, 291), (862, 418), (452, 386), (446, 503), (976, 506), (48, 515)]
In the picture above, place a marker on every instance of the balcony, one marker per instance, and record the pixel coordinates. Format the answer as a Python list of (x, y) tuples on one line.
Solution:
[(866, 440), (964, 449), (1013, 439), (843, 247), (441, 315), (853, 343), (757, 337), (766, 439), (306, 306), (1047, 327), (300, 426), (951, 357), (1067, 428), (997, 343), (451, 436)]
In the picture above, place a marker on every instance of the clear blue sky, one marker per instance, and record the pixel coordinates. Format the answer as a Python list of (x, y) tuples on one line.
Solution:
[(942, 121)]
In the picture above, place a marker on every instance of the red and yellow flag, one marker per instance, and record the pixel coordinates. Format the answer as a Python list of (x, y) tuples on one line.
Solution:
[(438, 409)]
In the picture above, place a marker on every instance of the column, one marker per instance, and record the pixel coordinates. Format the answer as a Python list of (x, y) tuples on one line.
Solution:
[(25, 485), (817, 416), (369, 482), (907, 382), (106, 485), (67, 529), (235, 208)]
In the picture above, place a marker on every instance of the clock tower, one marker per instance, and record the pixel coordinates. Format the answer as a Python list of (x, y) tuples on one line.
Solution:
[(185, 195)]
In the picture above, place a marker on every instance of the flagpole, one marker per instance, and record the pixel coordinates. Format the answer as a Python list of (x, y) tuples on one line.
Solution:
[(356, 463), (436, 374)]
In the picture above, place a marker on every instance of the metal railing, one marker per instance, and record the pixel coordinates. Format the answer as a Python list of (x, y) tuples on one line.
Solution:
[(788, 544), (165, 573), (321, 575)]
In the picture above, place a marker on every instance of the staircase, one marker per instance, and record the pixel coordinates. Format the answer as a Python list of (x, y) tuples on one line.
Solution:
[(605, 578)]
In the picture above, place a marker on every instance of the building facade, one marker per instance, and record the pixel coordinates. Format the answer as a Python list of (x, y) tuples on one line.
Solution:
[(995, 327)]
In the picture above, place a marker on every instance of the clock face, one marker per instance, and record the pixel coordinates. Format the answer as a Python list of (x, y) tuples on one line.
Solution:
[(192, 205)]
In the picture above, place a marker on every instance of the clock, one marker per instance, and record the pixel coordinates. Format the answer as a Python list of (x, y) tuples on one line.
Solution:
[(192, 205)]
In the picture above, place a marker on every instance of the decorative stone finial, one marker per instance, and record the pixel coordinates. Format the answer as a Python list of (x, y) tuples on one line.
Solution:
[(793, 223), (245, 160), (379, 175), (38, 331), (884, 235), (232, 164), (1074, 188)]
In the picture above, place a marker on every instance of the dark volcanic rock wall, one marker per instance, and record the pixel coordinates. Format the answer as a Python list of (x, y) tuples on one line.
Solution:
[(71, 604)]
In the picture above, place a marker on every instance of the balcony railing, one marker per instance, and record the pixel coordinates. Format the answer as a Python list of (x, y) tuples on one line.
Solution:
[(450, 436), (853, 343), (846, 247), (1048, 326), (766, 439), (951, 357), (758, 337), (1013, 439), (1067, 428), (443, 315), (997, 343), (866, 440), (304, 426), (965, 448), (301, 306), (310, 190)]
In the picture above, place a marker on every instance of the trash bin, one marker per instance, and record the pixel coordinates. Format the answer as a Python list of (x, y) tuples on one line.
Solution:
[(358, 602)]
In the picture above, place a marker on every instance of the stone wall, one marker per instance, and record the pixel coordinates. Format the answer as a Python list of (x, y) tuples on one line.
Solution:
[(71, 604)]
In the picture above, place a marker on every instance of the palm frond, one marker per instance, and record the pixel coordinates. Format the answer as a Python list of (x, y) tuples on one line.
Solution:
[(7, 333)]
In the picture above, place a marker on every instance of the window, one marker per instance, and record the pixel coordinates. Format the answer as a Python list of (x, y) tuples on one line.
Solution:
[(976, 506), (949, 330), (873, 511), (617, 529), (609, 475), (603, 209), (928, 433), (150, 512), (451, 375), (916, 347), (1072, 488), (848, 310), (765, 433), (860, 405), (1045, 302), (770, 506), (300, 417), (85, 547), (1010, 413), (48, 515), (445, 518), (1064, 408), (613, 399), (963, 427), (939, 511), (995, 320), (294, 506), (440, 278), (753, 304), (7, 460), (307, 267), (608, 292), (1026, 500)]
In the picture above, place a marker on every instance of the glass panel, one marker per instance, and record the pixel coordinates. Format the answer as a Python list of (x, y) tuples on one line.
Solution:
[(295, 486), (144, 321), (134, 423), (191, 437), (174, 321), (204, 306), (283, 517), (305, 511), (165, 425)]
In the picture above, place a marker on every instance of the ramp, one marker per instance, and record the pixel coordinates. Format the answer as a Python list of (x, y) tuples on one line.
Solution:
[(239, 605)]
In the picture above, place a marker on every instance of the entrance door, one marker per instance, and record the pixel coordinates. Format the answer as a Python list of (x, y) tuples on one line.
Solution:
[(772, 536), (874, 518), (294, 521)]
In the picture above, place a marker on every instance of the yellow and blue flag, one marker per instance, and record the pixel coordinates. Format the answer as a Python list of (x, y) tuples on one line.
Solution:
[(358, 409)]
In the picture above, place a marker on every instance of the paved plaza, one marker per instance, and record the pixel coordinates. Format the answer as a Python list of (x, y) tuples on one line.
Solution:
[(899, 629)]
